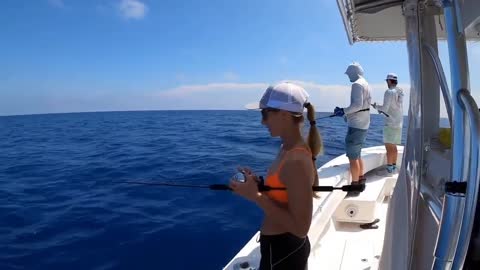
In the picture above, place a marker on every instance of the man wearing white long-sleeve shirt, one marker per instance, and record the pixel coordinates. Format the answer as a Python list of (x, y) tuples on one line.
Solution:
[(392, 131), (358, 120)]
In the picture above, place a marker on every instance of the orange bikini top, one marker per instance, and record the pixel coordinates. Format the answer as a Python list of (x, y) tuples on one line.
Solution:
[(273, 180)]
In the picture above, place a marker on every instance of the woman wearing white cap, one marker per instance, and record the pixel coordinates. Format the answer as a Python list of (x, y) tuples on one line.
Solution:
[(392, 131), (287, 213)]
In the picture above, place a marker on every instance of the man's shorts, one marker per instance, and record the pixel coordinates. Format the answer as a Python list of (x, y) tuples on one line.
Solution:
[(354, 142), (392, 135)]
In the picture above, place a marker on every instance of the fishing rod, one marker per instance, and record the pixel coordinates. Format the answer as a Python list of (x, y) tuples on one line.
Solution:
[(381, 112), (333, 115), (261, 186), (324, 117), (384, 113), (212, 187)]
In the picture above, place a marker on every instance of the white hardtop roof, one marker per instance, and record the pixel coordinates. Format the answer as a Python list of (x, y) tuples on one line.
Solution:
[(383, 20)]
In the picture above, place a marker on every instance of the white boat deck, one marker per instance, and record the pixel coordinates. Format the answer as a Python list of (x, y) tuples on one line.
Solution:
[(338, 244), (346, 246)]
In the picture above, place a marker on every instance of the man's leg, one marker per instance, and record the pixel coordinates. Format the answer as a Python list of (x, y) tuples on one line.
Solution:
[(350, 152), (354, 169), (354, 142), (360, 163), (394, 153), (391, 157), (391, 153), (394, 157), (363, 137), (397, 141), (391, 136)]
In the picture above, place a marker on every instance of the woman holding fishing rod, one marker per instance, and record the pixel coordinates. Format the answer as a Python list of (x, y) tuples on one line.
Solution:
[(287, 213)]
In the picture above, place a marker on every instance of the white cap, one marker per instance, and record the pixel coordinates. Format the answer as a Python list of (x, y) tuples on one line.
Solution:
[(285, 96), (354, 69), (392, 76)]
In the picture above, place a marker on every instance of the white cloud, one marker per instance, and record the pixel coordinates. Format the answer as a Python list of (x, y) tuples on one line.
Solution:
[(475, 50), (230, 76), (211, 96), (325, 97), (474, 58), (57, 3), (132, 9), (235, 95), (193, 90)]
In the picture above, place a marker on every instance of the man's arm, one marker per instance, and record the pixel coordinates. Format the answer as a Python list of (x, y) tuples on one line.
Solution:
[(356, 99), (387, 101)]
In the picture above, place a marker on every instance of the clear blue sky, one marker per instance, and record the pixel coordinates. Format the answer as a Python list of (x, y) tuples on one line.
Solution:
[(100, 55)]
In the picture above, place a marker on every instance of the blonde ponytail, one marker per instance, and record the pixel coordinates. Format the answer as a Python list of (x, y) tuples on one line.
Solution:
[(314, 140)]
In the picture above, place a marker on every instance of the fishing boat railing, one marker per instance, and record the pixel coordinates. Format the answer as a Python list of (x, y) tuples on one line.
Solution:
[(441, 79), (428, 192), (472, 179), (454, 199)]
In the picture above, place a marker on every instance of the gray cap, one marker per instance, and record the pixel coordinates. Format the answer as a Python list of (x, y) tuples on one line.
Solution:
[(354, 69)]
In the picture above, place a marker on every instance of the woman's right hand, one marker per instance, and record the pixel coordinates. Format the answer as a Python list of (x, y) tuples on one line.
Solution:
[(248, 189)]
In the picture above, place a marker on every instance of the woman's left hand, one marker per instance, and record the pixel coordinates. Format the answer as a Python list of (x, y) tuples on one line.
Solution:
[(248, 189)]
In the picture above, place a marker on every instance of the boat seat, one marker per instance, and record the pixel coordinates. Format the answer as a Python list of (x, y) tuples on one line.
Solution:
[(362, 208)]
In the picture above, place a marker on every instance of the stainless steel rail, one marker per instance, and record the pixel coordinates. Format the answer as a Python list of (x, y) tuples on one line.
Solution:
[(441, 79), (471, 196)]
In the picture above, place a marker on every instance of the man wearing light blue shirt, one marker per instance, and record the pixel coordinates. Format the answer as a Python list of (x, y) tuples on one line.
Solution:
[(358, 120)]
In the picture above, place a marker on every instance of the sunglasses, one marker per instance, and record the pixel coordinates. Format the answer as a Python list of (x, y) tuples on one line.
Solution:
[(265, 112)]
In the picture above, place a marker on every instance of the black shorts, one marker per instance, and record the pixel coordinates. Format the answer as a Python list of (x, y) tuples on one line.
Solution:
[(284, 252)]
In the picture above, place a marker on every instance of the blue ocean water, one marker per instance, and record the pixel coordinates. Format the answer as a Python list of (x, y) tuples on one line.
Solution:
[(63, 206)]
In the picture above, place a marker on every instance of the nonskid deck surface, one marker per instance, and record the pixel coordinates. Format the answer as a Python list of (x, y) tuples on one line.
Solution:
[(346, 246)]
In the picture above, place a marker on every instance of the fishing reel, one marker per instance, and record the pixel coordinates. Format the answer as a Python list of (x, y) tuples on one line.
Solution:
[(239, 177)]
